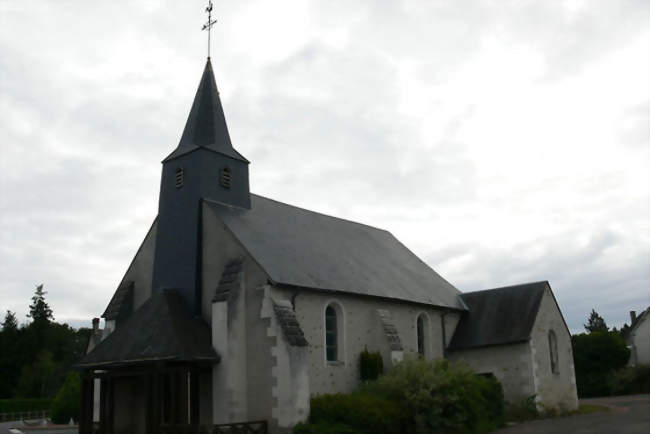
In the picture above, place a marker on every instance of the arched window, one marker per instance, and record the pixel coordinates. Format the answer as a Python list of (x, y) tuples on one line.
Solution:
[(422, 331), (334, 336), (552, 347), (331, 334)]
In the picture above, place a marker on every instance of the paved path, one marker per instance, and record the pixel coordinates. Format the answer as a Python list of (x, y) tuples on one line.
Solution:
[(5, 426), (628, 415)]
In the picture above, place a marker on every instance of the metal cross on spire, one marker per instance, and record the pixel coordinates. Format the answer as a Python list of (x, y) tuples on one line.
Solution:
[(208, 26)]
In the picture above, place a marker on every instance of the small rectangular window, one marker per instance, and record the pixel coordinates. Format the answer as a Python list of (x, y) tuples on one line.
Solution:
[(179, 177)]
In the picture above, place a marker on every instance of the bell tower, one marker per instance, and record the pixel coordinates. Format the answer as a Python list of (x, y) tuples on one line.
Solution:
[(203, 166)]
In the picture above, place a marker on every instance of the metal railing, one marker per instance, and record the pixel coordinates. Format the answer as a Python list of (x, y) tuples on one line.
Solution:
[(21, 415), (253, 427)]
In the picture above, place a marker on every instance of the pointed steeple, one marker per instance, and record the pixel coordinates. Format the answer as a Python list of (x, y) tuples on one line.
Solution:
[(206, 124)]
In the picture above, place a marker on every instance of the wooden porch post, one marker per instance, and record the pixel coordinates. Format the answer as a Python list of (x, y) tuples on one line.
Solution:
[(195, 396), (86, 409), (108, 423), (154, 411)]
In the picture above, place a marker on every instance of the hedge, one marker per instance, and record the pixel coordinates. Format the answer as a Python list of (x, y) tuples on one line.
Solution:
[(24, 405)]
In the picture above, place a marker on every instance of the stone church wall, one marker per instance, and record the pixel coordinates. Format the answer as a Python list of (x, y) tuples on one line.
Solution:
[(510, 364), (553, 390), (242, 381), (361, 329)]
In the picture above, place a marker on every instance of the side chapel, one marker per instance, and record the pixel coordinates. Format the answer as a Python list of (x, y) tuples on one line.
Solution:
[(238, 308)]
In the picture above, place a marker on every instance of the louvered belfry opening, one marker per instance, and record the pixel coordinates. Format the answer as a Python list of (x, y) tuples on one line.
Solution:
[(179, 177), (226, 177)]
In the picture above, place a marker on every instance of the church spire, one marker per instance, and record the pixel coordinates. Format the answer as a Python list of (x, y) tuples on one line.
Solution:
[(206, 124)]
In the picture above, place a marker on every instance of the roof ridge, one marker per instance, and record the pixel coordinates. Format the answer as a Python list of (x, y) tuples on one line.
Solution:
[(320, 213), (508, 287)]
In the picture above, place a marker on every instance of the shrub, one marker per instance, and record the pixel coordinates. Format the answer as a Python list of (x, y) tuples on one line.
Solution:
[(18, 405), (363, 412), (371, 365), (633, 380), (597, 356), (440, 397), (492, 393), (67, 401), (417, 396), (323, 428)]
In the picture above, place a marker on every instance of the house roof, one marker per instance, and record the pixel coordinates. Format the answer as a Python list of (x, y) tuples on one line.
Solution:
[(206, 124), (302, 248), (498, 316), (161, 329), (639, 319)]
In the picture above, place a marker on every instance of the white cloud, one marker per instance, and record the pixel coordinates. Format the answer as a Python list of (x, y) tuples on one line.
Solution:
[(503, 141)]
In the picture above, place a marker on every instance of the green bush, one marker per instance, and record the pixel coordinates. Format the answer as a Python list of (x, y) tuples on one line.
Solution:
[(363, 412), (597, 356), (492, 393), (68, 400), (371, 365), (16, 405), (323, 428), (415, 397), (441, 397), (634, 380)]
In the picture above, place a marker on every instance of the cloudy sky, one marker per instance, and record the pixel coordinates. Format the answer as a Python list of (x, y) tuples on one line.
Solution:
[(502, 141)]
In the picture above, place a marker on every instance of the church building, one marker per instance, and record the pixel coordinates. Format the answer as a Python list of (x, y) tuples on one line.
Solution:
[(238, 308)]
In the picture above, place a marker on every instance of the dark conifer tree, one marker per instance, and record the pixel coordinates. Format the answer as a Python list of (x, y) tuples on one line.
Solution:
[(39, 310), (10, 323), (596, 323)]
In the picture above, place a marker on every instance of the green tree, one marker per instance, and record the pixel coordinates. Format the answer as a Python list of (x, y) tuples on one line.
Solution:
[(67, 402), (595, 323), (39, 310), (10, 323), (38, 380), (597, 356)]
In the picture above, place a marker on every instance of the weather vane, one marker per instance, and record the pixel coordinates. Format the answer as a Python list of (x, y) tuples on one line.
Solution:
[(208, 26)]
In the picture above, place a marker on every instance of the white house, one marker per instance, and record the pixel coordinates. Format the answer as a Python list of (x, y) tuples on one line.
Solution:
[(637, 338)]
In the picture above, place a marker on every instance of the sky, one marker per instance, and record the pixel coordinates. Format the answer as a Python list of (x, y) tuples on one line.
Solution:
[(502, 141)]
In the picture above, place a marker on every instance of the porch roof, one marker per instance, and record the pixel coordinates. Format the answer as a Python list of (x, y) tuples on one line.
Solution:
[(162, 329)]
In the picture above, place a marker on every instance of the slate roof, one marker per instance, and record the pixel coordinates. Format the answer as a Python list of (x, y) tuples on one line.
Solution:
[(161, 329), (286, 317), (498, 316), (121, 303), (230, 278), (634, 324), (390, 331), (206, 124), (302, 248)]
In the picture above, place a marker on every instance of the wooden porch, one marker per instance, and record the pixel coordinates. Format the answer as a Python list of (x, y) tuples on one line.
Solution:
[(145, 399)]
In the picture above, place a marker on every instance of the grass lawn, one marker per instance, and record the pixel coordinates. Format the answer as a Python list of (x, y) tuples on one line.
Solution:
[(589, 408), (527, 411)]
